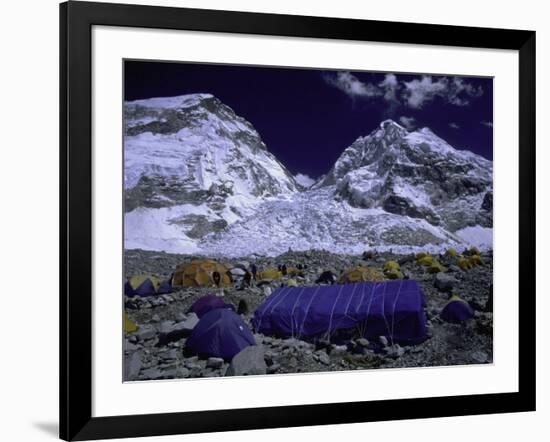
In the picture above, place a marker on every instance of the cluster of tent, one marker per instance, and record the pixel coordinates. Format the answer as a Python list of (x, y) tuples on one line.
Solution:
[(146, 285), (197, 273), (393, 309), (372, 302), (430, 263), (469, 259)]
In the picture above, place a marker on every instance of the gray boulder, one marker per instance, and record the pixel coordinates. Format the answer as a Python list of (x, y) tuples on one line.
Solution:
[(249, 361), (145, 333), (394, 351), (322, 357), (214, 362), (444, 282), (132, 366), (180, 330)]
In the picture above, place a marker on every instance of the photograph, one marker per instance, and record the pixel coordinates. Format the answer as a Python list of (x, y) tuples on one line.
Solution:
[(282, 220)]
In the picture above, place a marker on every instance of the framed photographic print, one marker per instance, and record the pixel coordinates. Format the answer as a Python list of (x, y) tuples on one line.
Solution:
[(272, 220)]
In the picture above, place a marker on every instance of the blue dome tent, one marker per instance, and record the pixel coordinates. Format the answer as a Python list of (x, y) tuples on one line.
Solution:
[(456, 310), (220, 333)]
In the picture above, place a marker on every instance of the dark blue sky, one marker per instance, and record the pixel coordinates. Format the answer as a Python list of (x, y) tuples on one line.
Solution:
[(308, 117)]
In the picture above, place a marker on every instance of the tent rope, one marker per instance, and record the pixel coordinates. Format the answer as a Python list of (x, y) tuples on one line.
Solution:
[(307, 310), (292, 320)]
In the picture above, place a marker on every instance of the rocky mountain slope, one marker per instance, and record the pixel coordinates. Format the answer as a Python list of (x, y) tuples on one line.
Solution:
[(415, 174), (199, 180), (191, 167)]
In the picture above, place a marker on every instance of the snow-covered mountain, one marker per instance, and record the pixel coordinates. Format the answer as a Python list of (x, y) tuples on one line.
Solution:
[(191, 167), (415, 174), (200, 180)]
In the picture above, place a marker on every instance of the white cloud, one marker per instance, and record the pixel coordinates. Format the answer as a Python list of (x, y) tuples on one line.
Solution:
[(417, 92), (455, 91), (352, 86), (408, 122), (454, 125), (460, 92), (414, 94), (487, 123), (304, 180), (390, 85)]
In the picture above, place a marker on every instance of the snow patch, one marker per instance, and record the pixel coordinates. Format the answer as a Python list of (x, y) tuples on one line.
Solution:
[(304, 180), (480, 237)]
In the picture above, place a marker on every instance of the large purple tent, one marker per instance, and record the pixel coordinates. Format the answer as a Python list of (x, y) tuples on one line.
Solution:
[(394, 309)]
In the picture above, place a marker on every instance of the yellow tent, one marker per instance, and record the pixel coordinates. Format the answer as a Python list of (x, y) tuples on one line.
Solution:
[(436, 267), (136, 281), (463, 263), (361, 274), (292, 283), (391, 265), (394, 274), (474, 251), (201, 273), (451, 252), (129, 325), (270, 274), (476, 260), (425, 261), (293, 271)]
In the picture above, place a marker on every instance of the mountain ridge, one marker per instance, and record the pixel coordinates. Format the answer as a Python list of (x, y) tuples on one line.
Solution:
[(200, 180)]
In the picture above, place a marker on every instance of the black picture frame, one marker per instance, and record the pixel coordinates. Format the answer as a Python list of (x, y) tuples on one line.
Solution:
[(76, 21)]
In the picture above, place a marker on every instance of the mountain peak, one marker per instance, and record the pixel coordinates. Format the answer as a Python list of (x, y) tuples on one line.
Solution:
[(390, 123), (178, 101)]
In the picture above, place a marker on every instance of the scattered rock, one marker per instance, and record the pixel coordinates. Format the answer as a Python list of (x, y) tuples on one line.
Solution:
[(130, 347), (182, 372), (151, 373), (273, 368), (179, 330), (169, 355), (132, 366), (444, 282), (383, 340), (447, 344), (214, 362), (145, 333), (180, 317), (394, 351), (479, 357), (322, 357), (338, 350), (249, 361), (166, 327)]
